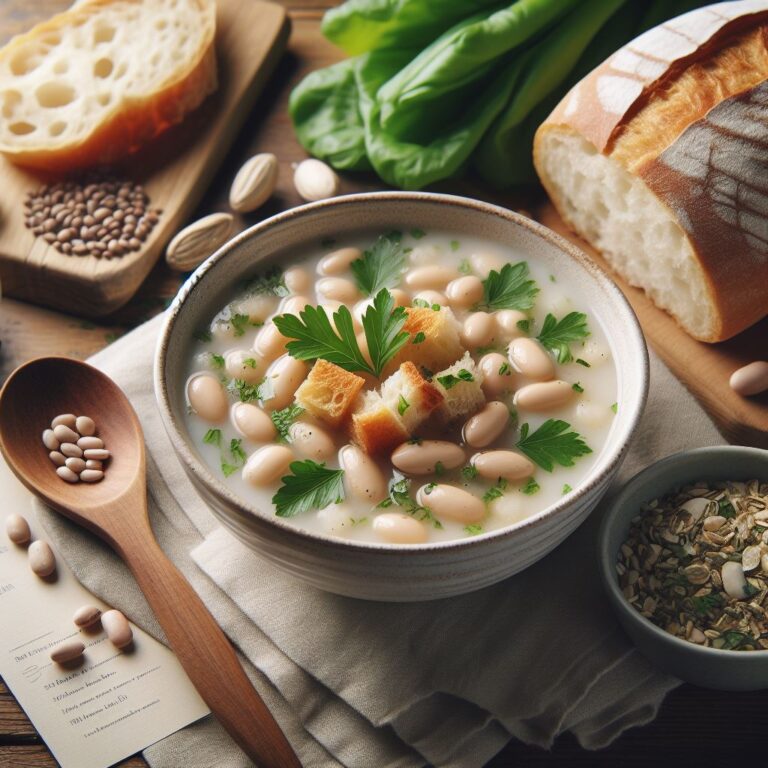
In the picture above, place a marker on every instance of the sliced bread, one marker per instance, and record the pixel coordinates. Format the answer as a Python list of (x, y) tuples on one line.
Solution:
[(94, 83)]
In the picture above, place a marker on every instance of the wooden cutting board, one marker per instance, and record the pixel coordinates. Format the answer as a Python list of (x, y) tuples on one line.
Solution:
[(175, 170), (704, 368)]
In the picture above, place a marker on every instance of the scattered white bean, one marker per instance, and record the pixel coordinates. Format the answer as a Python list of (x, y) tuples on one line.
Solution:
[(284, 377), (244, 364), (267, 464), (337, 289), (90, 442), (269, 343), (86, 616), (478, 330), (85, 425), (751, 379), (91, 475), (69, 650), (531, 359), (252, 422), (507, 324), (423, 457), (486, 425), (50, 441), (65, 435), (101, 454), (293, 305), (206, 397), (482, 263), (41, 558), (464, 291), (451, 502), (311, 441), (117, 628), (433, 277), (65, 473), (497, 375), (337, 262), (314, 180), (65, 419), (398, 528), (432, 298), (17, 529), (75, 464), (507, 464), (297, 280), (58, 458), (544, 396), (70, 449), (363, 479)]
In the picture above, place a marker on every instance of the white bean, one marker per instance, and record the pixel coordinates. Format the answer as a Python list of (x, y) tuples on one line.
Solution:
[(66, 419), (101, 454), (311, 441), (293, 305), (478, 330), (41, 558), (487, 425), (398, 528), (423, 457), (117, 628), (75, 464), (269, 343), (363, 479), (297, 280), (252, 422), (433, 277), (85, 425), (65, 435), (69, 650), (58, 458), (493, 465), (17, 529), (65, 473), (206, 398), (267, 464), (243, 364), (507, 324), (337, 262), (86, 616), (544, 396), (91, 475), (432, 298), (283, 379), (70, 449), (337, 289), (497, 375), (50, 441), (451, 502), (93, 464), (90, 442), (482, 263), (751, 379), (464, 291), (529, 358)]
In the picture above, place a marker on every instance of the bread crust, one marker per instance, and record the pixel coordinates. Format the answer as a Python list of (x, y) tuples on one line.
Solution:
[(720, 200), (132, 122), (329, 392)]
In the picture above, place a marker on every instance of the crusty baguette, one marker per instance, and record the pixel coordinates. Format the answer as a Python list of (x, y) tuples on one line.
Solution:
[(658, 156), (441, 345), (94, 83), (329, 392), (462, 397)]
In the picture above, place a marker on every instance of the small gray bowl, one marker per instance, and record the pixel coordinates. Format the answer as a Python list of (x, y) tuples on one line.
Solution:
[(707, 667)]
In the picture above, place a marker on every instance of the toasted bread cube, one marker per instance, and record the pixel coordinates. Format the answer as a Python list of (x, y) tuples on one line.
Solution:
[(329, 392), (376, 428), (419, 397), (461, 387), (440, 345)]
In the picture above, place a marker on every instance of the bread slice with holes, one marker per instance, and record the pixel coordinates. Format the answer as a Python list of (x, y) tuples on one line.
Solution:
[(329, 392), (93, 84), (461, 387), (658, 159)]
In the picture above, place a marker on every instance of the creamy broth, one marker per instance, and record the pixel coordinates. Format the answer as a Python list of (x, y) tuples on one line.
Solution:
[(589, 410)]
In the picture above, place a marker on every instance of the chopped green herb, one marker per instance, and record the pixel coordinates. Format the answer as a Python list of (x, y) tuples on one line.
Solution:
[(566, 489), (557, 335), (403, 405), (505, 370), (380, 266), (239, 323), (250, 362), (284, 418), (245, 392), (399, 495), (236, 449), (227, 468), (530, 487), (358, 521), (551, 444), (577, 387), (450, 380), (270, 282), (212, 437), (204, 336), (469, 472), (583, 362), (465, 267), (439, 469), (524, 325), (496, 491), (429, 488), (217, 361), (552, 279), (508, 289), (309, 486), (615, 407), (455, 245), (419, 337), (422, 303), (474, 529)]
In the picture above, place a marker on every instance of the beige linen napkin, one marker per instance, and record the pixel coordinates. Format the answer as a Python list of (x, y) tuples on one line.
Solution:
[(370, 685)]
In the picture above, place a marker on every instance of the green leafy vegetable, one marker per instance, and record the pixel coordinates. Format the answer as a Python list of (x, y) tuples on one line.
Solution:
[(239, 323), (505, 370), (530, 487), (524, 325), (204, 336), (383, 326), (508, 289), (557, 335), (455, 245), (449, 380), (284, 418), (726, 509), (309, 486), (380, 266), (212, 437), (552, 444), (615, 407), (250, 362)]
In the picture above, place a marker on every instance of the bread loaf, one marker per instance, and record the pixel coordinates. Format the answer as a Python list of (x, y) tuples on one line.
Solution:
[(658, 158), (99, 80)]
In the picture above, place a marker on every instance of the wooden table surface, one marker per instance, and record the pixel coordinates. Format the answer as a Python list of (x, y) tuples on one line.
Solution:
[(694, 726)]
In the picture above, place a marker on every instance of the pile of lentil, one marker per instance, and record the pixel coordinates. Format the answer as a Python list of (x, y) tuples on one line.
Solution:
[(696, 564), (98, 216)]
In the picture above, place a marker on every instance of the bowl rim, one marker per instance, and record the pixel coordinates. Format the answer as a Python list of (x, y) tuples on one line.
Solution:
[(630, 415), (606, 558)]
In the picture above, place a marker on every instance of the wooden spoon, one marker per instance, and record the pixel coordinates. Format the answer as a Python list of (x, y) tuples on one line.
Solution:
[(116, 510)]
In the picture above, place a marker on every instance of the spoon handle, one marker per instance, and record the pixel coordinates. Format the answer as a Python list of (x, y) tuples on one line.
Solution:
[(207, 656)]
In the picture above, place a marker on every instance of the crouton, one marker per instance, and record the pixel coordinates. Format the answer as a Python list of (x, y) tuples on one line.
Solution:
[(434, 342), (329, 392), (461, 387), (386, 419)]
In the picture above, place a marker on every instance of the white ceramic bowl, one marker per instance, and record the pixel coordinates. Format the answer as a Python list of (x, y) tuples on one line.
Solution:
[(390, 571)]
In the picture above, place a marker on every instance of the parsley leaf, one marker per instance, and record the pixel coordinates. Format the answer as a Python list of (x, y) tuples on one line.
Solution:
[(530, 487), (450, 380), (550, 444), (577, 387), (455, 245), (239, 323), (212, 437), (205, 336), (380, 266), (582, 362), (469, 472), (403, 405), (383, 325), (566, 489), (309, 486), (283, 419), (227, 468), (236, 449), (508, 289), (496, 491), (557, 334), (474, 529), (615, 407), (250, 362), (419, 337), (246, 392), (417, 234), (217, 361), (399, 495)]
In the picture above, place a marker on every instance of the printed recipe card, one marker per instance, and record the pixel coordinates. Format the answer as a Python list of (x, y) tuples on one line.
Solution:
[(112, 704)]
